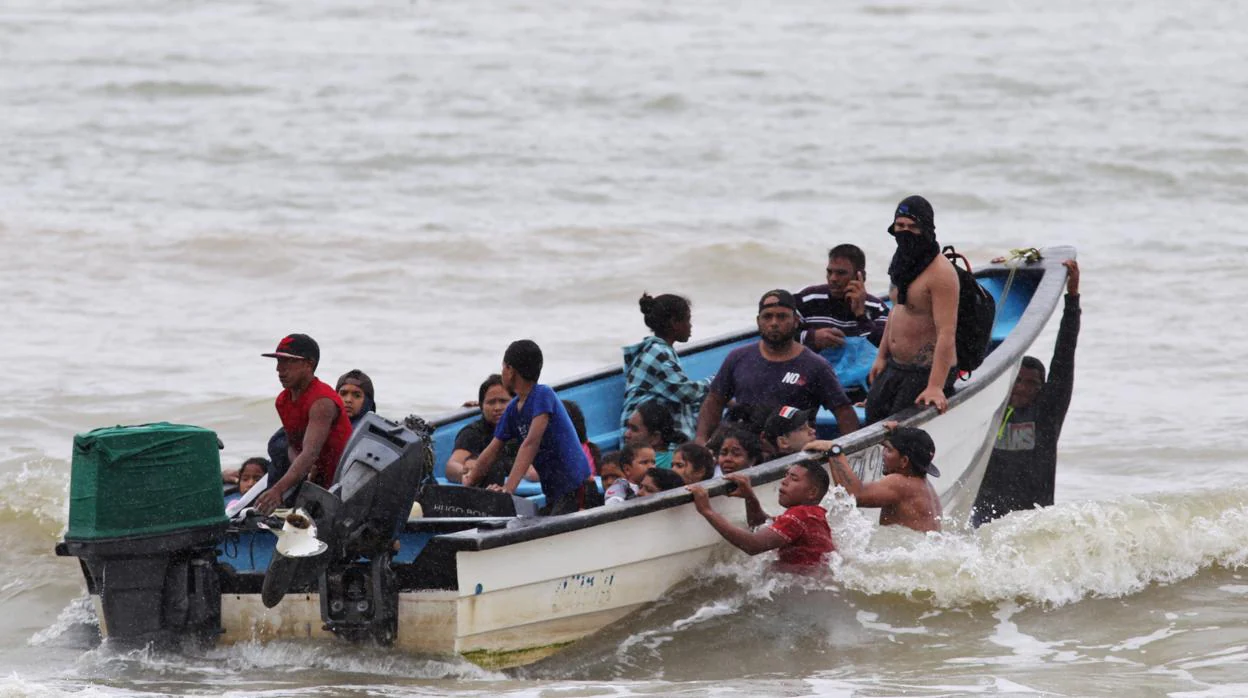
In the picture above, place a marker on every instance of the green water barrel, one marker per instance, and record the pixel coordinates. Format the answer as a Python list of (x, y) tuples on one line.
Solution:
[(141, 481)]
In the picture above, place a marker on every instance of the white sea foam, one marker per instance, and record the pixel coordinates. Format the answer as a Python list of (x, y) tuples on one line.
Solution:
[(75, 626), (417, 184), (1058, 555), (275, 661)]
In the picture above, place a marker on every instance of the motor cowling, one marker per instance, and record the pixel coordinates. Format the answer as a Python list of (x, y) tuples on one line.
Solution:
[(377, 481), (145, 517)]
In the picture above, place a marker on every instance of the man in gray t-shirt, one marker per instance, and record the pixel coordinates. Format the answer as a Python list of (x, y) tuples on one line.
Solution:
[(776, 371)]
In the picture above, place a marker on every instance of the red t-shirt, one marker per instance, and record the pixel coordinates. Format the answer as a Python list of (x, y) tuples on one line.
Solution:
[(294, 415), (806, 529)]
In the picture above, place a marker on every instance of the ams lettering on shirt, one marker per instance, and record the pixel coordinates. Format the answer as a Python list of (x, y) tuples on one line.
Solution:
[(1020, 436)]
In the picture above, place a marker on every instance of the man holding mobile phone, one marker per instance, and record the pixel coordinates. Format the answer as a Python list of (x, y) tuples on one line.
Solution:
[(841, 308), (841, 321)]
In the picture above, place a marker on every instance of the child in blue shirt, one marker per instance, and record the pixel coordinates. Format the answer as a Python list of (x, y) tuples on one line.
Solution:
[(548, 439)]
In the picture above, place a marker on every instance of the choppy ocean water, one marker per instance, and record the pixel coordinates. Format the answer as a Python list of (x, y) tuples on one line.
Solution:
[(416, 184)]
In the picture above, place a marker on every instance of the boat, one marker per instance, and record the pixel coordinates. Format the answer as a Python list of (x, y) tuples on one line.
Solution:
[(471, 573)]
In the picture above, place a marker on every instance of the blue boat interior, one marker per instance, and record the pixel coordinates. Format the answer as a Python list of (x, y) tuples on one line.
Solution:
[(600, 396)]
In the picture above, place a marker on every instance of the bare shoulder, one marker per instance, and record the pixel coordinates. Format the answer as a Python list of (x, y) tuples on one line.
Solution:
[(940, 277), (895, 483), (323, 406), (943, 269)]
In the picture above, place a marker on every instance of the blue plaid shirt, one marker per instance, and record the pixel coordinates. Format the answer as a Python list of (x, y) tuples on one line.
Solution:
[(652, 371)]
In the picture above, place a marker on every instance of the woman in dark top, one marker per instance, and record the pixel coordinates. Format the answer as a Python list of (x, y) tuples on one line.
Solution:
[(472, 439)]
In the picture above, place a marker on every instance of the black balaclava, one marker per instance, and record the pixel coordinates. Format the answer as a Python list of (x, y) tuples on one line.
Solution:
[(914, 252)]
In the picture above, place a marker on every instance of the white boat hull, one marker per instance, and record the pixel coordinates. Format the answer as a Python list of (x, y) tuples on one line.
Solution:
[(518, 603), (528, 590)]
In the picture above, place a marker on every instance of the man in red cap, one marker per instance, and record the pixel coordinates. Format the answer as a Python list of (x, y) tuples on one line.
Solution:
[(316, 423)]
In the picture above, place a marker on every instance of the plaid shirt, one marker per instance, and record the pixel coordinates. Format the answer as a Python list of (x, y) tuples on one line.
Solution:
[(652, 372)]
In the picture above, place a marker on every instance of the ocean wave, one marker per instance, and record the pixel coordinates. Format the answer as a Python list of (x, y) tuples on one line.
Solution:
[(15, 686), (32, 500), (76, 626), (1058, 555), (249, 664), (179, 88)]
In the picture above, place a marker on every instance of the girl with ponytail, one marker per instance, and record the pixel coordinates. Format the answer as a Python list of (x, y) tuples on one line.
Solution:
[(652, 371)]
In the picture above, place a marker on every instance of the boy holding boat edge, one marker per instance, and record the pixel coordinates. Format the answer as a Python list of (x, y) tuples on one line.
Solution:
[(801, 535), (548, 439)]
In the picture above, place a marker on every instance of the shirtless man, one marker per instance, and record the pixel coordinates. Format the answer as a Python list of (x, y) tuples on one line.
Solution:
[(917, 357), (903, 495)]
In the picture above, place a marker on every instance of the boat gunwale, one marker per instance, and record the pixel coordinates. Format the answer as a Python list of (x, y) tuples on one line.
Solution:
[(1005, 356)]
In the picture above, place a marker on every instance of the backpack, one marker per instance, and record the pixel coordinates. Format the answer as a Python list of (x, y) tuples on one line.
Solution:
[(976, 313)]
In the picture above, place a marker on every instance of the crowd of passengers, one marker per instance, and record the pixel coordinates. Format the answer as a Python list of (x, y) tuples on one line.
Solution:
[(831, 345), (817, 348)]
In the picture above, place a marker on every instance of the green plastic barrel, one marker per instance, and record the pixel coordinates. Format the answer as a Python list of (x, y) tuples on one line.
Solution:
[(144, 480)]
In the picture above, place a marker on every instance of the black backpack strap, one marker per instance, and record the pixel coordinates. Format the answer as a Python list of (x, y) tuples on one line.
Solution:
[(953, 256)]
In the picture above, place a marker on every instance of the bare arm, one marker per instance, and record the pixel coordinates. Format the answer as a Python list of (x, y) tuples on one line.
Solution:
[(880, 493), (751, 542), (708, 417), (458, 464), (754, 514), (945, 317), (527, 453), (846, 418), (881, 356), (320, 419), (477, 470)]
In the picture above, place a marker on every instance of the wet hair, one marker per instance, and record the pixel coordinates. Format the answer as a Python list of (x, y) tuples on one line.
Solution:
[(852, 253), (658, 420), (700, 457), (665, 479), (254, 460), (749, 441), (661, 312), (818, 474), (490, 381), (1034, 364), (578, 420), (526, 357)]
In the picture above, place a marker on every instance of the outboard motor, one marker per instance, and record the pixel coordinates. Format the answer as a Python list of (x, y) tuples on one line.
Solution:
[(377, 479), (145, 517)]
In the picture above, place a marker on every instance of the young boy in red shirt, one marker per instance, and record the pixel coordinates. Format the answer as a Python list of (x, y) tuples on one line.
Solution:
[(801, 535)]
